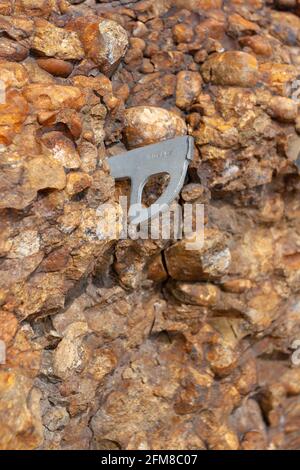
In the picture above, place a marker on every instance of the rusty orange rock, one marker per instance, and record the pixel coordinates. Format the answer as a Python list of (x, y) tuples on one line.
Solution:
[(189, 85), (232, 68), (56, 67), (105, 42), (54, 97)]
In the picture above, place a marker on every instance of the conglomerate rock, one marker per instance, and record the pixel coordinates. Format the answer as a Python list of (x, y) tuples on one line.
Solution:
[(126, 344)]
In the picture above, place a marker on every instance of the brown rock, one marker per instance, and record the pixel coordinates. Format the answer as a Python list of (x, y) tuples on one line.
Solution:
[(277, 76), (101, 84), (211, 261), (260, 45), (38, 173), (77, 182), (145, 125), (285, 26), (54, 97), (104, 42), (222, 359), (205, 295), (45, 173), (69, 354), (189, 85), (17, 27), (13, 113), (231, 68), (5, 7), (56, 67), (35, 7), (192, 192), (283, 109), (45, 292), (237, 26), (9, 326), (55, 261), (62, 149), (56, 42), (156, 270), (21, 426), (12, 50), (183, 33), (198, 4)]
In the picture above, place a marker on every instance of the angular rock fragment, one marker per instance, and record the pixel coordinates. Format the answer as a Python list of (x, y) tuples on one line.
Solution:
[(211, 261), (105, 43), (50, 41)]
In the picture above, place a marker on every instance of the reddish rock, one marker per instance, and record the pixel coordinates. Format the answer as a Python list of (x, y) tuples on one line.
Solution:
[(198, 4), (238, 26), (210, 261), (53, 97), (147, 344), (260, 45), (77, 182), (56, 67), (12, 50), (231, 68), (189, 85), (104, 42)]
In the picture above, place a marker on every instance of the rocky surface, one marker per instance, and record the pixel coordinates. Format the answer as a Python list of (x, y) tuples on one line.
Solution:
[(123, 344)]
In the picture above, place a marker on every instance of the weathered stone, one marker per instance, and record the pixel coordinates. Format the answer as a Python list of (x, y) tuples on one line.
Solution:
[(45, 173), (13, 75), (205, 295), (285, 26), (238, 26), (283, 109), (101, 84), (104, 42), (12, 50), (198, 4), (156, 270), (53, 97), (189, 85), (13, 112), (232, 68), (62, 149), (69, 354), (77, 182), (149, 344), (21, 427), (210, 261), (55, 42), (147, 124), (260, 45), (183, 33), (41, 8), (277, 77)]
